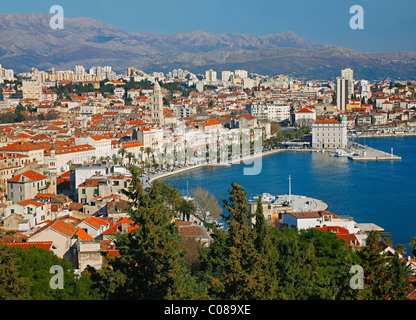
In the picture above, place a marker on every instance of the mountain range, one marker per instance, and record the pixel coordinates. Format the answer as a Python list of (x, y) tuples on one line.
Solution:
[(28, 41)]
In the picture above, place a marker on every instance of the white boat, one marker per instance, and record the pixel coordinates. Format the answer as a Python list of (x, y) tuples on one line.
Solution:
[(266, 197), (342, 153)]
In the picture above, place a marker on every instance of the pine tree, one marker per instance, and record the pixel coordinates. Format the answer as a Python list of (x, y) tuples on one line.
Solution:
[(151, 256), (260, 227), (12, 285), (377, 281), (400, 274), (243, 270)]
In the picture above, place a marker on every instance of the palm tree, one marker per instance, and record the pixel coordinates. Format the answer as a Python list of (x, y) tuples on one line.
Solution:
[(148, 151), (412, 244), (122, 152), (186, 207), (130, 156), (141, 153)]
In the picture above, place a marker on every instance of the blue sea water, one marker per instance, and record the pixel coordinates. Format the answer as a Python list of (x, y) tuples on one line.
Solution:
[(380, 192)]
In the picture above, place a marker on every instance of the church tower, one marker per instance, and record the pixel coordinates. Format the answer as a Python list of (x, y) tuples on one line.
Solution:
[(157, 105)]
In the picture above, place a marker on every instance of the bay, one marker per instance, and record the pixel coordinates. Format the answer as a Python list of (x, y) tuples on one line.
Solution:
[(380, 192)]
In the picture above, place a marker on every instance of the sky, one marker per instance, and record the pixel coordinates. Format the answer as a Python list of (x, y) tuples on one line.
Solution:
[(388, 25)]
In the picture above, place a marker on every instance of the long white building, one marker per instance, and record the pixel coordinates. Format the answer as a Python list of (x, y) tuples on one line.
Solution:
[(272, 111)]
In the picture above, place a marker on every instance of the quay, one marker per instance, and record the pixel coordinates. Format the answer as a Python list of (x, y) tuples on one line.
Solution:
[(359, 152)]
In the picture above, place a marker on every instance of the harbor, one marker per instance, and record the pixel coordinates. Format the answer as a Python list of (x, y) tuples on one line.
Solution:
[(359, 152)]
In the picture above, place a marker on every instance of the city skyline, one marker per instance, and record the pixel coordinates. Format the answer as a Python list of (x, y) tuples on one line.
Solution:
[(324, 22)]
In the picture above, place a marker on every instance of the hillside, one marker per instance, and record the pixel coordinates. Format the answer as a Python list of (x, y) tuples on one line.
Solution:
[(28, 41)]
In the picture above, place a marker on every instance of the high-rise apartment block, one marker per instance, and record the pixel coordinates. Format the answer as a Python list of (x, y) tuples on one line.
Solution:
[(342, 93)]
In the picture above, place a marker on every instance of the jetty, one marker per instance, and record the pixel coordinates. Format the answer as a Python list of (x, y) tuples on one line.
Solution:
[(359, 152)]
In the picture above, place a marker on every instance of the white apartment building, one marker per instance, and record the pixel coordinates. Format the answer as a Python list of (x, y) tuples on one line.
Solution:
[(211, 76), (226, 75), (6, 74), (33, 211), (152, 138), (101, 144), (32, 89), (305, 117), (183, 111), (314, 219), (242, 74), (271, 111), (348, 74), (329, 134), (59, 160)]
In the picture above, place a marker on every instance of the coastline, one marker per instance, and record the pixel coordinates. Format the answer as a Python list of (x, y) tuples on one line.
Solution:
[(229, 164), (382, 135), (271, 152)]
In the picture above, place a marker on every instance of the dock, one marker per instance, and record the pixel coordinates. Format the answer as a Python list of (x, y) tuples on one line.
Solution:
[(360, 152)]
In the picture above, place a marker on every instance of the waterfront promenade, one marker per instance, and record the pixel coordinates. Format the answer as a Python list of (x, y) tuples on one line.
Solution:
[(159, 175), (358, 153)]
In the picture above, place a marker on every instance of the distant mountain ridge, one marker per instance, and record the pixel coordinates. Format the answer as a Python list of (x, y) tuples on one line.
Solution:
[(28, 41)]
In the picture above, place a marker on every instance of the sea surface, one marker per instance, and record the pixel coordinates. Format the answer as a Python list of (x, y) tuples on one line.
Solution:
[(379, 192)]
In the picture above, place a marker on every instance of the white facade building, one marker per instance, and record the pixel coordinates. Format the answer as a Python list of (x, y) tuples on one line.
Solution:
[(273, 112), (329, 134), (32, 89)]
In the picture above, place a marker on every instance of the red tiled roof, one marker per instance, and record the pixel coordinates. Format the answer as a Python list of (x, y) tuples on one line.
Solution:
[(30, 174), (29, 201), (312, 214), (95, 222), (21, 146), (38, 244), (82, 235), (327, 121), (59, 226), (113, 229)]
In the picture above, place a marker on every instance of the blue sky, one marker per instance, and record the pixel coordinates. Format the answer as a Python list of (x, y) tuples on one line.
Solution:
[(388, 25)]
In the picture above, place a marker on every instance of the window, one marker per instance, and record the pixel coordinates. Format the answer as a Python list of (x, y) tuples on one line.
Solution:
[(83, 191)]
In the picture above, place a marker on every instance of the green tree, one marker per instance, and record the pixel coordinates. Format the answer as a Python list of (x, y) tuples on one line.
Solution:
[(377, 278), (186, 208), (170, 195), (150, 259), (122, 152), (213, 260), (334, 259), (400, 273), (34, 265), (412, 244), (260, 227), (300, 276), (243, 270), (12, 285)]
